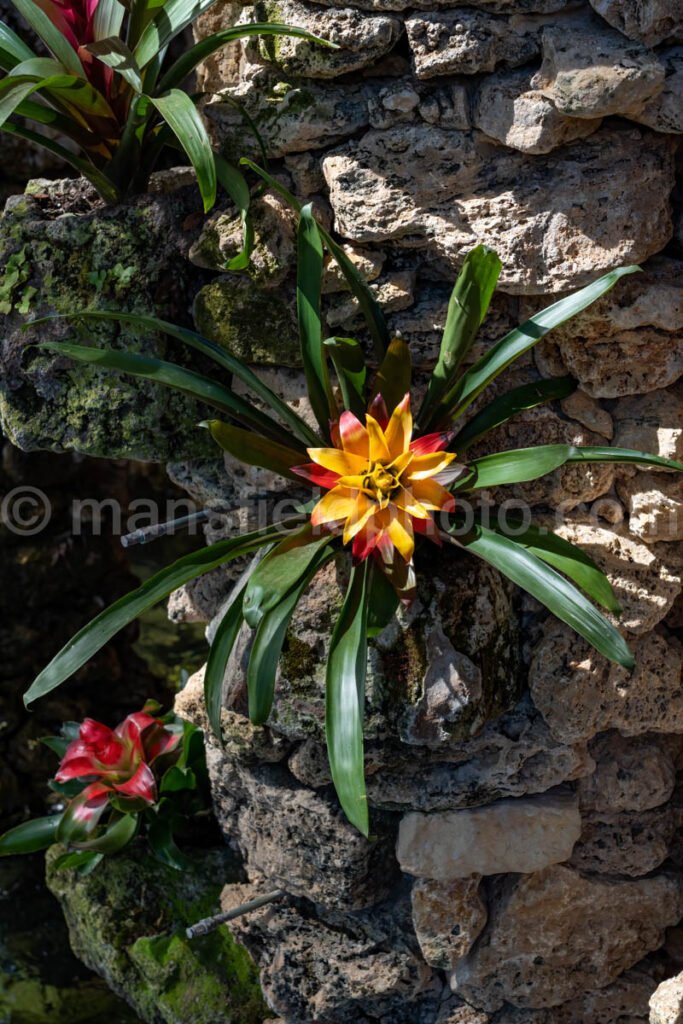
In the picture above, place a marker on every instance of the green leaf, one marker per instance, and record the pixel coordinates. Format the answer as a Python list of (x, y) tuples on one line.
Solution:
[(108, 19), (188, 61), (173, 376), (359, 287), (468, 305), (116, 836), (234, 183), (214, 352), (564, 556), (394, 376), (173, 17), (382, 601), (280, 570), (629, 455), (308, 288), (13, 49), (503, 408), (92, 637), (164, 848), (255, 450), (50, 35), (177, 779), (519, 341), (30, 837), (115, 54), (345, 700), (82, 861), (268, 641), (550, 588), (349, 364), (183, 118), (13, 92)]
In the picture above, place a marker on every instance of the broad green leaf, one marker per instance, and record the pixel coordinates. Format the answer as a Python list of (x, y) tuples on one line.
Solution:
[(221, 649), (106, 188), (13, 49), (117, 835), (345, 700), (60, 48), (268, 641), (370, 308), (115, 54), (255, 450), (108, 19), (181, 115), (522, 464), (519, 341), (280, 570), (234, 183), (501, 409), (349, 363), (550, 588), (382, 601), (213, 351), (394, 376), (188, 61), (172, 376), (164, 847), (82, 861), (173, 17), (468, 305), (567, 557), (92, 637), (308, 288), (71, 91), (13, 92), (30, 837)]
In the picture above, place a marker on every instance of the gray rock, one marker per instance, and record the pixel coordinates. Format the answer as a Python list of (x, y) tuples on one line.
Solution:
[(663, 112), (590, 71), (631, 773), (446, 190), (652, 423), (654, 22), (509, 110), (629, 843), (465, 42), (551, 936)]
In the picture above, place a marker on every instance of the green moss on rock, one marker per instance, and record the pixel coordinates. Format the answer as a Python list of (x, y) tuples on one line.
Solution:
[(127, 922), (254, 324)]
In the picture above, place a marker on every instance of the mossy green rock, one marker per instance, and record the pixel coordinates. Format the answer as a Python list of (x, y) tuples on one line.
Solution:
[(127, 921), (258, 325), (62, 250)]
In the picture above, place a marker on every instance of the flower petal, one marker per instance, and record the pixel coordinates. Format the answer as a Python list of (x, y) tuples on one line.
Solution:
[(424, 466), (400, 428), (344, 463), (432, 495), (408, 502), (400, 532), (364, 509), (364, 543), (378, 410), (334, 506), (379, 449), (317, 475), (431, 442), (354, 436), (141, 784)]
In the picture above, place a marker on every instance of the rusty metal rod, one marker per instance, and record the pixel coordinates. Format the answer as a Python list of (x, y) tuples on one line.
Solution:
[(209, 924)]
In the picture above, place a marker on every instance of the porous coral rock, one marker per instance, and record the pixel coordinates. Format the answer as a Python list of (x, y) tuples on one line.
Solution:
[(666, 1004), (465, 42), (653, 22), (632, 844), (632, 773), (448, 917), (655, 506)]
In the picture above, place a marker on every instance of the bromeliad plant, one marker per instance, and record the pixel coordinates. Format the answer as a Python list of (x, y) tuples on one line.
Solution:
[(147, 776), (107, 87), (384, 473)]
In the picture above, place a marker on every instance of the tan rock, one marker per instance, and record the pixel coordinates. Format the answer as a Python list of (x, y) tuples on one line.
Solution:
[(655, 505), (624, 844), (510, 835), (652, 23), (368, 263), (448, 917), (585, 410), (629, 341), (465, 42), (393, 293), (580, 693), (666, 1004), (509, 110), (551, 936), (526, 208), (625, 1001), (591, 71), (631, 773), (664, 112), (652, 423)]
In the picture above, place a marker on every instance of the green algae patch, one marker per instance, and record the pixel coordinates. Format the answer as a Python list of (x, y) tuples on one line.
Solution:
[(255, 324)]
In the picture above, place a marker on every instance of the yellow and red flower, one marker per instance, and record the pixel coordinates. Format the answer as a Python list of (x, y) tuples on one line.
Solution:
[(382, 486)]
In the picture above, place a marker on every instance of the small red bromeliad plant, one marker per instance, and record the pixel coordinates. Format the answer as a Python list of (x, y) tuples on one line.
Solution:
[(145, 777), (387, 470), (107, 87)]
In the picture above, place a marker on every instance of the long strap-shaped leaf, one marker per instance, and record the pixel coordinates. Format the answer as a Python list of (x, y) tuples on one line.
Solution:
[(181, 115), (51, 36), (215, 353), (467, 307), (268, 641), (519, 341), (30, 836), (308, 289), (172, 17), (520, 465), (95, 634), (345, 700), (172, 376), (234, 183), (188, 61), (254, 450), (114, 53), (348, 359), (13, 50), (394, 377), (370, 308), (550, 588), (280, 570), (503, 408)]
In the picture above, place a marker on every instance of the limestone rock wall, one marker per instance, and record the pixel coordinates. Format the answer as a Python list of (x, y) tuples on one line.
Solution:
[(526, 859)]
